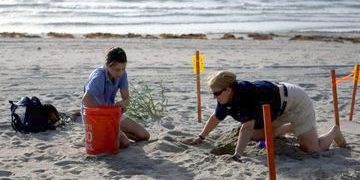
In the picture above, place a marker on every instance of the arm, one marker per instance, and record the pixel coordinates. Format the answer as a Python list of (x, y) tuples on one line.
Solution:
[(210, 125), (88, 100), (245, 135), (212, 122), (125, 98)]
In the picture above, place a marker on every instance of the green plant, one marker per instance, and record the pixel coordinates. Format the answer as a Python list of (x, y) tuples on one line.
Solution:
[(146, 103)]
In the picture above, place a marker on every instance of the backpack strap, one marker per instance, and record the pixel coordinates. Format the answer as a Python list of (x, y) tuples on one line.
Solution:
[(16, 123), (13, 107)]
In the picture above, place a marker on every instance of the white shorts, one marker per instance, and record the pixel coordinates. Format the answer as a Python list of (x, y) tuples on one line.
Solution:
[(299, 110)]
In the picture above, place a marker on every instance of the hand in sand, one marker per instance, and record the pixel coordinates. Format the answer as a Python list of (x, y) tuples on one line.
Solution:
[(229, 157), (192, 141)]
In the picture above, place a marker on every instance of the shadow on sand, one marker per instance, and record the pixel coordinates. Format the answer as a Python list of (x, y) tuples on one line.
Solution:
[(134, 162)]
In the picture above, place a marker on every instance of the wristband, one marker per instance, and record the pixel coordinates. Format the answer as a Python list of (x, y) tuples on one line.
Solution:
[(201, 137)]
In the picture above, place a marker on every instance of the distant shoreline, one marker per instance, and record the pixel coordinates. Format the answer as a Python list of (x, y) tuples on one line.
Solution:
[(55, 70), (353, 37)]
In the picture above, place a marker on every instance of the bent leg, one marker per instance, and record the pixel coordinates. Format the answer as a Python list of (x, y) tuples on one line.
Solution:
[(282, 130), (259, 134), (123, 140), (134, 130), (310, 142)]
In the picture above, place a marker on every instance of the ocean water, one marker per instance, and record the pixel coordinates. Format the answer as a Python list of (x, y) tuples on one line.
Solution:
[(179, 16)]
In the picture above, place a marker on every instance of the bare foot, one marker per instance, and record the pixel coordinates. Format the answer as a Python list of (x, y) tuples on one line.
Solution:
[(339, 138)]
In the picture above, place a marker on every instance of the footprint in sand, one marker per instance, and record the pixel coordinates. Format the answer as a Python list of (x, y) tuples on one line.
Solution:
[(322, 120), (342, 107), (179, 133), (66, 163), (169, 147), (307, 85), (78, 144), (38, 171), (43, 157), (75, 172), (5, 173), (113, 173), (169, 138), (185, 97), (9, 134), (28, 154), (14, 84), (226, 175), (64, 96), (172, 108), (318, 97), (190, 108), (16, 142), (4, 125), (35, 67), (184, 114), (67, 167), (168, 125), (247, 173), (43, 146)]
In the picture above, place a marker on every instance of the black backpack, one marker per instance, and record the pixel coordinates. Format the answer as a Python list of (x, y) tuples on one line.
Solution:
[(29, 115)]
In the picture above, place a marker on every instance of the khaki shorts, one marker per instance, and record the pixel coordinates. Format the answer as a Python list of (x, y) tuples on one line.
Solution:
[(299, 110)]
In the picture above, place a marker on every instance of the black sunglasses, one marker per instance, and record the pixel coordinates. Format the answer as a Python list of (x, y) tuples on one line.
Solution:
[(218, 93)]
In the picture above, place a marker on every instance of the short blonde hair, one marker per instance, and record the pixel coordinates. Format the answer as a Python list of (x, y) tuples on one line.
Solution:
[(221, 80)]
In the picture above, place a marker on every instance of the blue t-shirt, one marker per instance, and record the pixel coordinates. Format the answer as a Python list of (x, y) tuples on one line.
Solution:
[(247, 102), (102, 88)]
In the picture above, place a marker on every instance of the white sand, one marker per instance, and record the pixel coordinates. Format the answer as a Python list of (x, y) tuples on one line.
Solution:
[(56, 74)]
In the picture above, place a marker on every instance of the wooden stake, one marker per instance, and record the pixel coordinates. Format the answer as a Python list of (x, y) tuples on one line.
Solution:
[(356, 79), (269, 141), (335, 98), (198, 85)]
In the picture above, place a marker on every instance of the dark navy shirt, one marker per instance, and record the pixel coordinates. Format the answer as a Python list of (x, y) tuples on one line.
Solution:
[(247, 102)]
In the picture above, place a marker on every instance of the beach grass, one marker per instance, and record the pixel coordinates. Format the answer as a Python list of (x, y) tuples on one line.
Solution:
[(147, 104)]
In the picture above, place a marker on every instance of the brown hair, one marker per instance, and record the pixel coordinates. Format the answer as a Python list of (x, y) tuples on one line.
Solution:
[(51, 110), (115, 54), (221, 80)]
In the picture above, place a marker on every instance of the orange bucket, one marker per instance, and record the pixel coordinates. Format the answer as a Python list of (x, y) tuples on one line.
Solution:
[(102, 129)]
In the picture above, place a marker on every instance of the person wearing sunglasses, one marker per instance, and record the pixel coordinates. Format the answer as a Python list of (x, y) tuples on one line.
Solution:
[(101, 88), (291, 111)]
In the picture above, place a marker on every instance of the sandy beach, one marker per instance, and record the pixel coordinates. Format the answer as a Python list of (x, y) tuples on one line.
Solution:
[(55, 70)]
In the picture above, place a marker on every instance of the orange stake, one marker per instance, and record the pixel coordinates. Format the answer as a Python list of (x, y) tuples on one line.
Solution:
[(269, 141), (198, 85), (335, 98), (356, 79)]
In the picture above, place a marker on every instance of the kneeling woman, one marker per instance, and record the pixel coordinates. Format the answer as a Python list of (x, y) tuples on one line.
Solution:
[(101, 88), (291, 111)]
